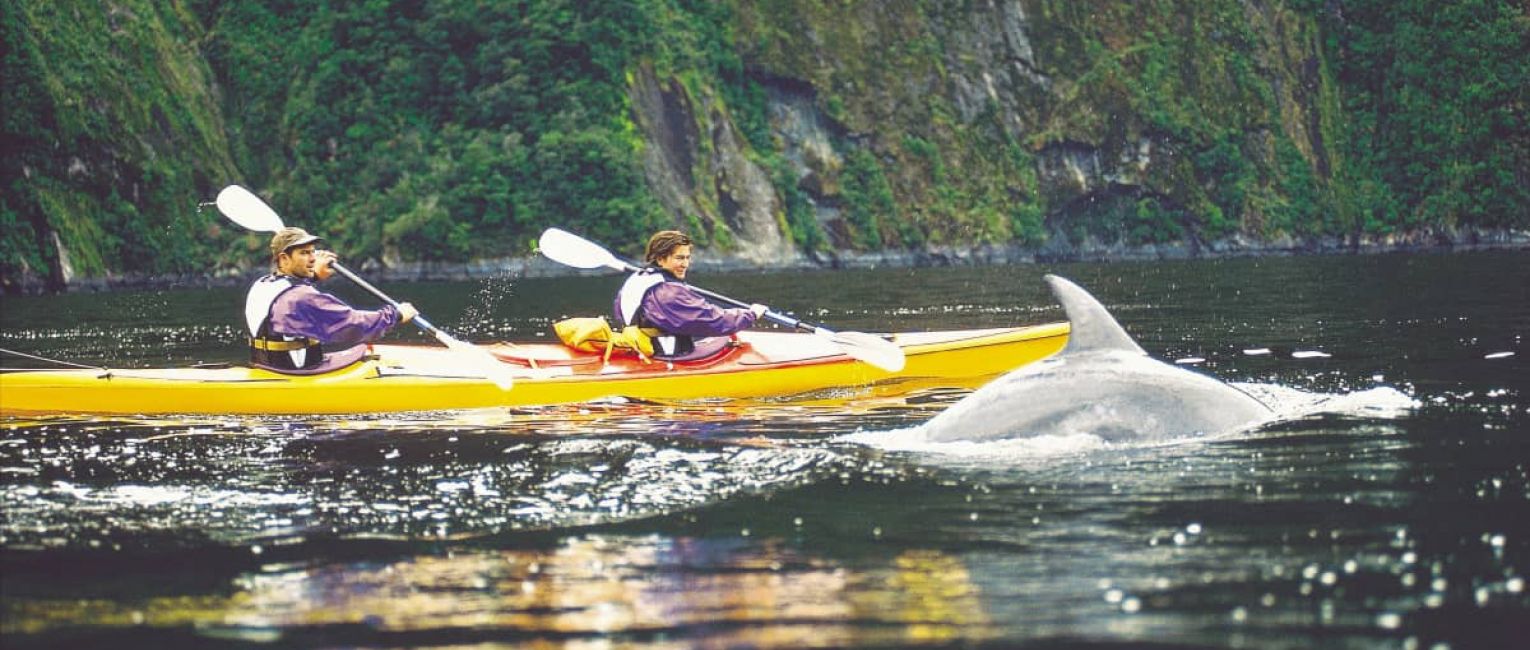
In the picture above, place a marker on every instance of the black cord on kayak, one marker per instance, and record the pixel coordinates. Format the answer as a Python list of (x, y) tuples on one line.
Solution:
[(34, 357)]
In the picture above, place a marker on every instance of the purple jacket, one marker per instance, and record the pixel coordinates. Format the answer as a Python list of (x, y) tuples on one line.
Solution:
[(674, 308), (303, 310)]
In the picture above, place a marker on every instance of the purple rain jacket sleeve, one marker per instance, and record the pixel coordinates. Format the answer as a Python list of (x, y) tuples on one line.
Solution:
[(674, 308), (306, 311)]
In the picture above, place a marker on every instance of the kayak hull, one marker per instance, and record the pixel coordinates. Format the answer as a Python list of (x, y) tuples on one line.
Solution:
[(396, 378)]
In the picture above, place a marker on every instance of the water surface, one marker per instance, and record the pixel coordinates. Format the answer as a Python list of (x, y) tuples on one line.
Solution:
[(1361, 523)]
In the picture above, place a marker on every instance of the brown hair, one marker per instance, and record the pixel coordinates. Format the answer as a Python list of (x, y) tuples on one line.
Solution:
[(663, 243)]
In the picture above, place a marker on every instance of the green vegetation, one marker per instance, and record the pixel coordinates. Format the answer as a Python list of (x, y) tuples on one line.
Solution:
[(441, 131), (413, 130), (111, 137), (868, 198), (1438, 101)]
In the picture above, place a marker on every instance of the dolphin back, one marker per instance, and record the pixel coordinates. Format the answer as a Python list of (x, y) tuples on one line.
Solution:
[(1092, 328), (1101, 384)]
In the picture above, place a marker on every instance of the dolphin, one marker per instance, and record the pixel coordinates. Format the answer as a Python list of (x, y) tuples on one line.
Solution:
[(1102, 383)]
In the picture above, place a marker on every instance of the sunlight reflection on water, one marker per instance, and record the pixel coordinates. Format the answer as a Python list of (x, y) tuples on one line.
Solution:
[(642, 587), (1385, 511)]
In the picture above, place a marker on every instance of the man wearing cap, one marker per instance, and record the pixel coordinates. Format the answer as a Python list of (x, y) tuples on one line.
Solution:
[(296, 328)]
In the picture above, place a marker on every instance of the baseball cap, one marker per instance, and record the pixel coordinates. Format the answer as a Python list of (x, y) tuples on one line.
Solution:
[(287, 238)]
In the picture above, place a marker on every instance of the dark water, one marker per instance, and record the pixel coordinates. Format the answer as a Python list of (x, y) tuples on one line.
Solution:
[(1398, 518)]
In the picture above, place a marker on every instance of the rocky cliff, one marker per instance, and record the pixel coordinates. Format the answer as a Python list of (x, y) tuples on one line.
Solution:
[(113, 131), (431, 139), (1056, 125)]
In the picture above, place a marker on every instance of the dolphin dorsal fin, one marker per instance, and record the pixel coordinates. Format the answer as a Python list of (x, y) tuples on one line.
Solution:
[(1091, 328)]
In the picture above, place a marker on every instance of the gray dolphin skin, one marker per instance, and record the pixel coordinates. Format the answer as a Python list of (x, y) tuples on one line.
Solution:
[(1102, 383)]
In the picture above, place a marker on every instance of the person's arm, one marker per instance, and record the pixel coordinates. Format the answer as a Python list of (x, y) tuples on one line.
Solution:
[(676, 309), (306, 311), (324, 268)]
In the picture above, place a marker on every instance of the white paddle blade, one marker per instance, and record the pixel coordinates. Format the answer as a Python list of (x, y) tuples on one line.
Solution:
[(869, 348), (244, 208), (569, 249), (480, 360)]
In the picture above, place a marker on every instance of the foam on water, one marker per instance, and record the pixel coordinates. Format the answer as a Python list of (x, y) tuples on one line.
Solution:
[(915, 439), (1380, 402)]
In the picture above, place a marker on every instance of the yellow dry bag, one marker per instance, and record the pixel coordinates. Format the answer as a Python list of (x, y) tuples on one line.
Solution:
[(594, 334)]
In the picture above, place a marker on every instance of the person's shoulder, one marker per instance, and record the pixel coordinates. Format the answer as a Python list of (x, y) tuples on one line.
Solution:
[(302, 291), (676, 293), (672, 288)]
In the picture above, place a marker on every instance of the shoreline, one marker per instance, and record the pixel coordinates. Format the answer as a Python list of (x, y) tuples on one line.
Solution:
[(540, 267)]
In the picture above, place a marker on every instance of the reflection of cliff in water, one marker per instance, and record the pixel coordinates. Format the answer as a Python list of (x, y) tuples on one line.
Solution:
[(724, 592)]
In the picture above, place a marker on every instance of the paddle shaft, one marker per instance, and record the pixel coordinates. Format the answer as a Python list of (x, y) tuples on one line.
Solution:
[(777, 318), (774, 317), (483, 361), (356, 279)]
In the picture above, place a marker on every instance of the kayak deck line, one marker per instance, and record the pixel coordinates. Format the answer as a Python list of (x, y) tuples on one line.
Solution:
[(399, 378), (68, 365)]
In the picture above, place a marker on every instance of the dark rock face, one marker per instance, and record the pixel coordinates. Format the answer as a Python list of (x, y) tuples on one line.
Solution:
[(1042, 124)]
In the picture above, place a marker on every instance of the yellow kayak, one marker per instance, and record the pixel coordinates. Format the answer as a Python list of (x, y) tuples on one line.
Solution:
[(396, 378)]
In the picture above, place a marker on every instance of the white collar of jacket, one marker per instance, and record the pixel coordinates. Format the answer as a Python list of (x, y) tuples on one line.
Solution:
[(630, 298), (263, 294)]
